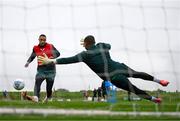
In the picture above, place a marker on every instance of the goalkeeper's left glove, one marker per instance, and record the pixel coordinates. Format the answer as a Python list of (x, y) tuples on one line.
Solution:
[(45, 60)]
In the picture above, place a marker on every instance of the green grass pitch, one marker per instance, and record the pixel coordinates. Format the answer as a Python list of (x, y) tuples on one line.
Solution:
[(170, 104)]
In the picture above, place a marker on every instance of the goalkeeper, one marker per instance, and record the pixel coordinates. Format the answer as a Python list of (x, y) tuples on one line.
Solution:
[(98, 58)]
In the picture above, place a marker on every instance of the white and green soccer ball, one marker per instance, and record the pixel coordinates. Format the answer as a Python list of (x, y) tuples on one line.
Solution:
[(18, 84)]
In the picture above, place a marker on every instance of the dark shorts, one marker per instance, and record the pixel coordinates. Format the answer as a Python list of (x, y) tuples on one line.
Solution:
[(122, 69), (48, 75)]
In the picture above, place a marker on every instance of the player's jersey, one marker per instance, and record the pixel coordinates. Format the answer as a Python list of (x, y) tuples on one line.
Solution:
[(97, 57), (49, 50)]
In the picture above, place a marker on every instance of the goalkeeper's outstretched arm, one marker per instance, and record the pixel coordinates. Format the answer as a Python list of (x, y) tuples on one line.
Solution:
[(74, 59)]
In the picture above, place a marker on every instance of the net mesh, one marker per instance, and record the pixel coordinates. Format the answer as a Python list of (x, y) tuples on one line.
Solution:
[(143, 34)]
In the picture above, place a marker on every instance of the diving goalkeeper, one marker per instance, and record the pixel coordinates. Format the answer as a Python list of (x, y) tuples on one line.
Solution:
[(98, 58)]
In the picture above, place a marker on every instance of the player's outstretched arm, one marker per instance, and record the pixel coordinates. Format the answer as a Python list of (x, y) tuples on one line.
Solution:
[(30, 59), (73, 59)]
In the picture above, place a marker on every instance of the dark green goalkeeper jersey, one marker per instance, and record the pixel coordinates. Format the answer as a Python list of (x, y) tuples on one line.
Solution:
[(97, 57)]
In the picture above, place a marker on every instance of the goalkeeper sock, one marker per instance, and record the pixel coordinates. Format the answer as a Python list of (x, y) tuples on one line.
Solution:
[(156, 100), (162, 82), (156, 80)]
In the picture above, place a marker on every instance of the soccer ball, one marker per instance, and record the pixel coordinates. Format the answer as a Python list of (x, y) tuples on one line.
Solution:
[(18, 84)]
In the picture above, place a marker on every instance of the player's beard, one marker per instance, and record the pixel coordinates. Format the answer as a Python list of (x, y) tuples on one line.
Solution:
[(41, 44)]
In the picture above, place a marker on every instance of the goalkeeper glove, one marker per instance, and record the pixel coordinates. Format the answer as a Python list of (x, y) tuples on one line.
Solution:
[(45, 60)]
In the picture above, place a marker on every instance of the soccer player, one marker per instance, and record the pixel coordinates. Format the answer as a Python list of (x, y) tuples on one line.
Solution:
[(44, 72), (104, 90), (94, 98), (98, 58)]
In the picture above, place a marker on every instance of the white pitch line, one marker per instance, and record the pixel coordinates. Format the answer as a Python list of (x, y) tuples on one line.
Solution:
[(80, 112)]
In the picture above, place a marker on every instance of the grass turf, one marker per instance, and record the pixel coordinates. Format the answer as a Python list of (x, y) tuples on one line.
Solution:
[(170, 104), (86, 118)]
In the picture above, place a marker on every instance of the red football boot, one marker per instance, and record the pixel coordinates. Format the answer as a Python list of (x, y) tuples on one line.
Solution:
[(164, 82), (157, 100)]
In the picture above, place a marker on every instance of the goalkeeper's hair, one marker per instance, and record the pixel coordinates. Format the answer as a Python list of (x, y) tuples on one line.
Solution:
[(90, 40)]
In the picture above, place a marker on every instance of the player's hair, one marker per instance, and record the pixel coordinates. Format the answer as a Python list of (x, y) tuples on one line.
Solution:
[(90, 40), (42, 35)]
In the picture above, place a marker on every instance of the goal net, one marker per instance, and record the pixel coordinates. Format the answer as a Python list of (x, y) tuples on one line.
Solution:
[(144, 34)]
